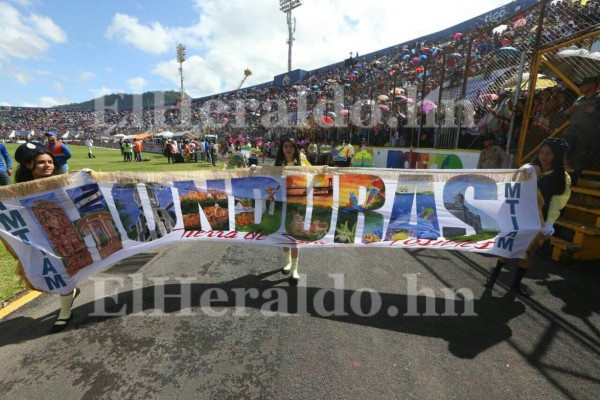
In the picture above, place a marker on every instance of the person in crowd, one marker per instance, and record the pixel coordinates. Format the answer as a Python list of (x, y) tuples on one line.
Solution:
[(89, 142), (195, 150), (60, 151), (170, 151), (313, 152), (492, 156), (187, 154), (214, 152), (137, 150), (554, 186), (208, 151), (5, 166), (37, 162), (127, 151), (289, 155), (583, 133)]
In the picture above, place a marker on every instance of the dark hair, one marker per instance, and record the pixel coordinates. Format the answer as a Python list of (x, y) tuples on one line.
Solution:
[(280, 158), (557, 179), (24, 174)]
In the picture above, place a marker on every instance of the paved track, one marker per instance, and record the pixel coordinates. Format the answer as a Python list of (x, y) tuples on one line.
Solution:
[(546, 347)]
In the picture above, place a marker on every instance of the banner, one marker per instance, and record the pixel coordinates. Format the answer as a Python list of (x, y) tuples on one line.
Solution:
[(65, 228)]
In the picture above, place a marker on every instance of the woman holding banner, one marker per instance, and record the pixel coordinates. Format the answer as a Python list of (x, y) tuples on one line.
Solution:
[(554, 186), (36, 162), (288, 154)]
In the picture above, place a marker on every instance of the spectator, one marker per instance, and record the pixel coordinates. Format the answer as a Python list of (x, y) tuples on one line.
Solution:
[(492, 156), (60, 151), (5, 166), (89, 142)]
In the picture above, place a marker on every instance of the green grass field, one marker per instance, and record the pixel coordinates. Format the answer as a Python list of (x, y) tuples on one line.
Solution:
[(107, 160)]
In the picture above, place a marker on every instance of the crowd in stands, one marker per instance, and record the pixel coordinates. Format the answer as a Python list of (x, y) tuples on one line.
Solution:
[(417, 68)]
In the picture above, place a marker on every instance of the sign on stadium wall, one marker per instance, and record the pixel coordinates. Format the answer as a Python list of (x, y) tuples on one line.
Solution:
[(406, 158), (67, 227)]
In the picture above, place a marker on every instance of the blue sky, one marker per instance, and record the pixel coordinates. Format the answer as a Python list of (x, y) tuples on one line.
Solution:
[(65, 51)]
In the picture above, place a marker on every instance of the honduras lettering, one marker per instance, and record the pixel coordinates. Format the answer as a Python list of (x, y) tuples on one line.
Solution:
[(63, 229)]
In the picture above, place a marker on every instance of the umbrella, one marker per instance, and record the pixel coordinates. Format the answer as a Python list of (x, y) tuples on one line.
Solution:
[(507, 50), (405, 57), (542, 82), (415, 59), (457, 36), (418, 70), (383, 97), (345, 112), (429, 106), (576, 64), (455, 55), (188, 135), (422, 57), (404, 99), (331, 114), (520, 22), (500, 28), (398, 91), (326, 119), (384, 107), (489, 97)]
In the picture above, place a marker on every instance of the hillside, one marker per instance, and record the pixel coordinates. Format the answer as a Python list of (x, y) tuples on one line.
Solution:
[(125, 101)]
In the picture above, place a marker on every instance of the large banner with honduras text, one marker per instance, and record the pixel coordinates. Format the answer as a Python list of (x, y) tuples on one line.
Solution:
[(64, 228)]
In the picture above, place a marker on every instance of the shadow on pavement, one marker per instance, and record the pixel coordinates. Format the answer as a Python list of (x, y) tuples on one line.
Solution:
[(467, 335)]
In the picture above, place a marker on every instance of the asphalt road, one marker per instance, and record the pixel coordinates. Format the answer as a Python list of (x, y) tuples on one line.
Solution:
[(221, 341)]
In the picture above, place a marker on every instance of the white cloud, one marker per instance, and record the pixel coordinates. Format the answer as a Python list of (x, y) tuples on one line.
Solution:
[(58, 86), (21, 77), (26, 37), (104, 91), (152, 38), (231, 36), (47, 101), (46, 27), (137, 84), (86, 76)]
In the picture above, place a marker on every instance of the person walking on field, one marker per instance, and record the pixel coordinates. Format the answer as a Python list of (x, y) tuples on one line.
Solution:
[(60, 151), (289, 155), (137, 150), (89, 142), (127, 151)]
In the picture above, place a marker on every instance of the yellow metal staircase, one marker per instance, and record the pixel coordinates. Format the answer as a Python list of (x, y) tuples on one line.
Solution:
[(578, 229)]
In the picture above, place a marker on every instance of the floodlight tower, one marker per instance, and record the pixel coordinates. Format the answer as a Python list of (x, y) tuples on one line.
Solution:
[(287, 6), (180, 60)]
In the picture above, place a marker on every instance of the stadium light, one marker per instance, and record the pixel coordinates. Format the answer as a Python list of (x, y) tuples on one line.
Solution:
[(180, 60), (287, 6)]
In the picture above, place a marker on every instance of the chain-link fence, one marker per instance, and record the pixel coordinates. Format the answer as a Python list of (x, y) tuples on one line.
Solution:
[(488, 81)]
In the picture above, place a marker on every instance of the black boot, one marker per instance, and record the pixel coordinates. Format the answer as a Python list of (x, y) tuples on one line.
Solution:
[(491, 280), (516, 286)]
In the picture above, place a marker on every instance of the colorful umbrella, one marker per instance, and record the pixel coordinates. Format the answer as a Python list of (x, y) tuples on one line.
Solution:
[(326, 119), (383, 97), (457, 36), (520, 22), (384, 106)]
